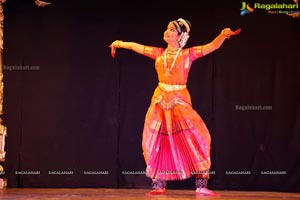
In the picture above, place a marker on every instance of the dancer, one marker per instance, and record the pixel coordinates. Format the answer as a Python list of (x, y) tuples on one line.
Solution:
[(176, 142)]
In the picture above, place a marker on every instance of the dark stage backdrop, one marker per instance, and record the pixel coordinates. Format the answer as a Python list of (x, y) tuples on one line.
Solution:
[(75, 115)]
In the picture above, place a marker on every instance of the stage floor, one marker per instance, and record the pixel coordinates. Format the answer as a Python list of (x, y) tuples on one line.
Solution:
[(133, 194)]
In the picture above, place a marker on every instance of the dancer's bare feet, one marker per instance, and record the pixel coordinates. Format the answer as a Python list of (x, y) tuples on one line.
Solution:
[(206, 192), (157, 192), (3, 183)]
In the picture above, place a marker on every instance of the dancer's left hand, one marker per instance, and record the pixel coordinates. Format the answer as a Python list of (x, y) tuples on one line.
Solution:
[(294, 15), (41, 3), (227, 32)]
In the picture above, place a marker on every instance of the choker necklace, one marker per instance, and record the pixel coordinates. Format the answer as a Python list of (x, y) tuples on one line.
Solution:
[(166, 68)]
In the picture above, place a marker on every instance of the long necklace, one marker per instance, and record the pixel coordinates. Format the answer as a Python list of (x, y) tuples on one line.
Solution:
[(166, 68)]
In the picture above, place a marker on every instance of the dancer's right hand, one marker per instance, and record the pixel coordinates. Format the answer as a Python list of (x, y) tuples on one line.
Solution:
[(113, 47)]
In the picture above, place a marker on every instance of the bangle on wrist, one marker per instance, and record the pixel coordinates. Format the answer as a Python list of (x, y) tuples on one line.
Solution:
[(224, 34), (118, 44)]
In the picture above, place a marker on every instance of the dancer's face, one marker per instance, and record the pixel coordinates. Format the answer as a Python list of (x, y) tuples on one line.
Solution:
[(171, 34)]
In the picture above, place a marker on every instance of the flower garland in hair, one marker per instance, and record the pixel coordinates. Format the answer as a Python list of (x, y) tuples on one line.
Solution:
[(185, 24), (184, 35), (183, 39)]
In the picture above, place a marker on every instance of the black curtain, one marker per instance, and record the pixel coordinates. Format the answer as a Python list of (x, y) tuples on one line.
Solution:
[(75, 115)]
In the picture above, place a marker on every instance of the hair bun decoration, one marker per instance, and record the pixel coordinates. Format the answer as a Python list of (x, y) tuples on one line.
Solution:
[(185, 33), (185, 23), (183, 39)]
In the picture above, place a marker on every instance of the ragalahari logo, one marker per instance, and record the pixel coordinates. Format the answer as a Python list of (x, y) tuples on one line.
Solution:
[(290, 9), (246, 9)]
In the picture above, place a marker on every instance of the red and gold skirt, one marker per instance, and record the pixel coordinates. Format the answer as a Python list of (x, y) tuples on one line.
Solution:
[(176, 141)]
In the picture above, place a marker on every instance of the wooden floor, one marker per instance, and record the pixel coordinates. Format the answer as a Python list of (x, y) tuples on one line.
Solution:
[(133, 194)]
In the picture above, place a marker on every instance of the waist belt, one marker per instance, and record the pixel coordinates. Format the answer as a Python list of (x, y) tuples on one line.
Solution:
[(170, 88)]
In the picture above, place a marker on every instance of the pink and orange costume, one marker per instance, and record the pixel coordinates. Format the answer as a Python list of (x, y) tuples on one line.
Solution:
[(176, 141)]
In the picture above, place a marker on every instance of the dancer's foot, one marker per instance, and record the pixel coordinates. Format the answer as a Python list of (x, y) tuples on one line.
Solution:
[(206, 192), (157, 192), (3, 183)]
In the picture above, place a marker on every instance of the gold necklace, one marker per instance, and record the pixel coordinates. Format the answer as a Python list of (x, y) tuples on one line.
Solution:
[(166, 68)]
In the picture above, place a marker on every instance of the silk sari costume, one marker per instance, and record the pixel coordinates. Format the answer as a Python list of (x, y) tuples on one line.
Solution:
[(176, 141)]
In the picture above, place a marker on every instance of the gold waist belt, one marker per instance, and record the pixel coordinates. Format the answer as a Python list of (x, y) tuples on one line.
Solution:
[(170, 88)]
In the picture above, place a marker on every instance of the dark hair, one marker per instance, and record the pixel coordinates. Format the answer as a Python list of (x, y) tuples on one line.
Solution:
[(182, 25)]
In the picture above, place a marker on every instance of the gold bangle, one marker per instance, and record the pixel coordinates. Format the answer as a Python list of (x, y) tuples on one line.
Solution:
[(118, 44), (223, 33)]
